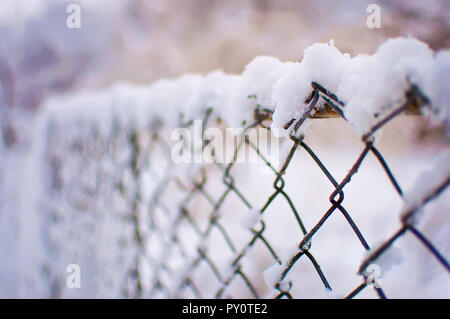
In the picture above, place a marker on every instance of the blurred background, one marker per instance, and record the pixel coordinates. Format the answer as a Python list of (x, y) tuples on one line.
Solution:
[(139, 41), (142, 40)]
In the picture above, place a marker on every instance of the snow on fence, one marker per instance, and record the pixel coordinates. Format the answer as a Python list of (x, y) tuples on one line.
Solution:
[(98, 187)]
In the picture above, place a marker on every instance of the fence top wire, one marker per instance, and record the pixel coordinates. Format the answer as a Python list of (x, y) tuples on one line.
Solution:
[(404, 75)]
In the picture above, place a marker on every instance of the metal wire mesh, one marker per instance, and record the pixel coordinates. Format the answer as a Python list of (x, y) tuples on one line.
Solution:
[(178, 223), (180, 217)]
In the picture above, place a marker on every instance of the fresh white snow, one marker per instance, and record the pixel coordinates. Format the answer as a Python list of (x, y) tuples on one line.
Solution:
[(371, 86), (427, 183)]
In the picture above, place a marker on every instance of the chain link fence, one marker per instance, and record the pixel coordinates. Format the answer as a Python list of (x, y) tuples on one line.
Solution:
[(142, 226), (173, 234)]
